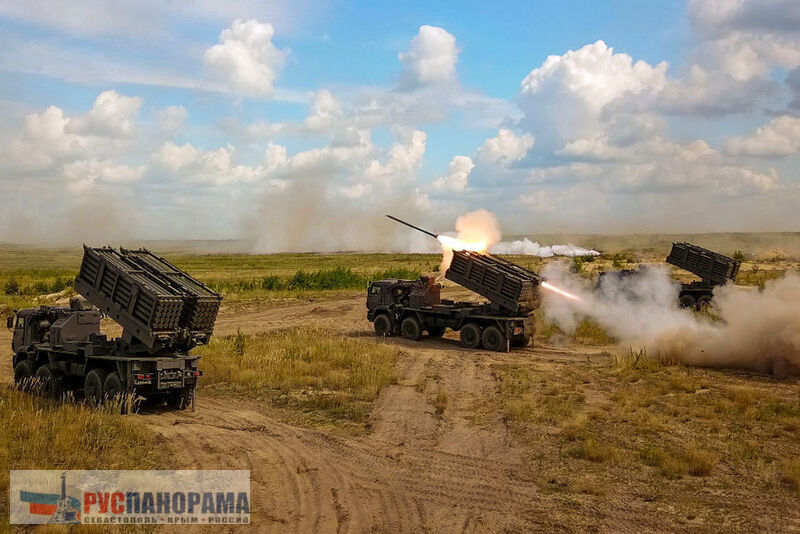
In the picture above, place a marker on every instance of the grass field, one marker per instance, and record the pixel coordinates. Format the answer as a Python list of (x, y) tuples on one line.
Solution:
[(600, 426), (637, 427), (43, 434), (28, 274), (328, 378)]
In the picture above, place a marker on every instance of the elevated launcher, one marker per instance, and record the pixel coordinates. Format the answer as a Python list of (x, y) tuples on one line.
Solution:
[(713, 268), (509, 287), (159, 307)]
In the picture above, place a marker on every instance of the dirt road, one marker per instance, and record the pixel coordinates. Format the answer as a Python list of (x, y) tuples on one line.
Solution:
[(416, 471)]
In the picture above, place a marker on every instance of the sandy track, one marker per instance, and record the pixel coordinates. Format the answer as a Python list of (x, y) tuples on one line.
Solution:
[(416, 471)]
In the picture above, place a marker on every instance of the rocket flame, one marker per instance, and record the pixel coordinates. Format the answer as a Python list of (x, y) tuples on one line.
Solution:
[(560, 291), (456, 244)]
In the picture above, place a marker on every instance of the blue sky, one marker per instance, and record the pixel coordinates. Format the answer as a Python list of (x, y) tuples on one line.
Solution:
[(310, 114)]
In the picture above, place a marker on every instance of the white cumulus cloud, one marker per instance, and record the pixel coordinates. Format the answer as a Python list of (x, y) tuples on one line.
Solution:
[(111, 115), (566, 94), (506, 147), (245, 58), (780, 137), (456, 179), (431, 57)]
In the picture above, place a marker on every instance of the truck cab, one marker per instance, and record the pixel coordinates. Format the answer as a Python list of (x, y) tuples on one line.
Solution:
[(30, 326), (385, 294), (379, 293), (53, 324)]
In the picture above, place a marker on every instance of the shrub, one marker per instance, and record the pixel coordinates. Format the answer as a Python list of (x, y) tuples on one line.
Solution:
[(11, 287), (700, 461)]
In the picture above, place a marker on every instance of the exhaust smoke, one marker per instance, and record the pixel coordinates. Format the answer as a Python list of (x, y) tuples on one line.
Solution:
[(479, 231), (757, 330)]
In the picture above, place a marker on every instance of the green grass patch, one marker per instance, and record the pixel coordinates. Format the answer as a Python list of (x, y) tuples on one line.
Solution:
[(757, 277), (322, 280), (328, 378)]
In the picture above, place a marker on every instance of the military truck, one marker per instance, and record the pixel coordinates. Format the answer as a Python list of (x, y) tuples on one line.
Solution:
[(411, 307), (712, 268), (163, 311)]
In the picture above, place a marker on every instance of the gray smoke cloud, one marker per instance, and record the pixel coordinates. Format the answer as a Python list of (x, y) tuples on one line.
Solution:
[(757, 330)]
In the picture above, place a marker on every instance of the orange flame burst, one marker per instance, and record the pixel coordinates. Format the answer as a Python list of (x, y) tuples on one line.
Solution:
[(561, 292), (456, 244)]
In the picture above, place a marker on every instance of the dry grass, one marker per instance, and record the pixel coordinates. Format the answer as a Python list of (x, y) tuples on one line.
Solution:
[(790, 473), (528, 401), (440, 402), (329, 378), (42, 434), (656, 434), (588, 332)]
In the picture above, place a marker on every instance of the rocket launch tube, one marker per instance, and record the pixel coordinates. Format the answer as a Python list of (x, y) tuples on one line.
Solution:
[(435, 236)]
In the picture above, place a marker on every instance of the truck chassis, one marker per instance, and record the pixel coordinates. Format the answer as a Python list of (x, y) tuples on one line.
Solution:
[(163, 311), (476, 325)]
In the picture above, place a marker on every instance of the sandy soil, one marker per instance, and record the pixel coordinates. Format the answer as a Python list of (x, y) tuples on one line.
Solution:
[(414, 471)]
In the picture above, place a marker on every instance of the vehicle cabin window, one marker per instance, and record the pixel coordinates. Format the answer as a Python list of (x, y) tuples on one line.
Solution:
[(375, 290), (20, 322)]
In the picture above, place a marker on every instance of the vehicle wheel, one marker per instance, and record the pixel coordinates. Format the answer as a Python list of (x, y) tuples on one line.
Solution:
[(112, 386), (436, 331), (411, 329), (23, 372), (493, 339), (181, 399), (686, 301), (471, 336), (93, 387), (49, 383), (704, 303), (383, 325)]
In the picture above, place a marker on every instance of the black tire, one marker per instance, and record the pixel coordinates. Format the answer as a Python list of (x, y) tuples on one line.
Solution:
[(436, 331), (704, 303), (23, 372), (112, 386), (687, 301), (471, 336), (50, 384), (411, 329), (493, 339), (181, 399), (93, 387), (382, 325)]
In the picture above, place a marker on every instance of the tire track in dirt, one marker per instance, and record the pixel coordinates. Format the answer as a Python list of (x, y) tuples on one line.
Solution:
[(415, 472), (317, 479)]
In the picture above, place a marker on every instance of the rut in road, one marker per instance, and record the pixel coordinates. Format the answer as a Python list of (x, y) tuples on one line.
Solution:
[(416, 471)]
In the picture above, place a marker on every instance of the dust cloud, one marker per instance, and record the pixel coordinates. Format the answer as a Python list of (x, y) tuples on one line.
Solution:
[(756, 330)]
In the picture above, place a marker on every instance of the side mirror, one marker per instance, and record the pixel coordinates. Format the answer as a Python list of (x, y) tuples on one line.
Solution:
[(10, 322)]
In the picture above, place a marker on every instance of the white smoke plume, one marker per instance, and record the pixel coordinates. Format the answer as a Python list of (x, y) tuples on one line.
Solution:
[(480, 230), (527, 247), (757, 330)]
